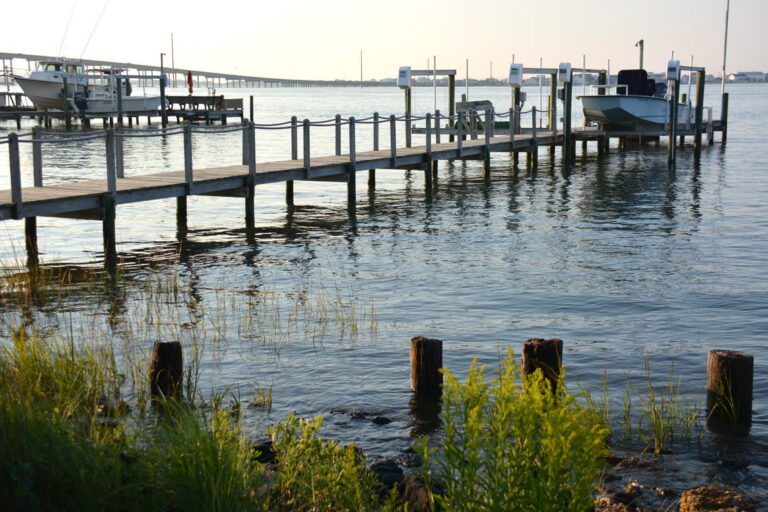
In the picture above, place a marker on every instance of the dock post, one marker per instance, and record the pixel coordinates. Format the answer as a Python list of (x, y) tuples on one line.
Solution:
[(459, 134), (294, 156), (567, 136), (352, 169), (487, 132), (188, 171), (15, 161), (710, 128), (250, 107), (30, 223), (250, 130), (724, 119), (337, 130), (393, 140), (545, 355), (672, 150), (451, 102), (108, 204), (534, 141), (163, 110), (65, 97), (305, 147), (699, 114), (428, 163), (119, 92), (166, 371), (408, 115), (181, 217), (372, 172), (244, 144), (553, 103), (426, 362), (729, 391)]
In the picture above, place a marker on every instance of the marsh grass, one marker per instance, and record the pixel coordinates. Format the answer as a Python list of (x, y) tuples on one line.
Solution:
[(513, 444)]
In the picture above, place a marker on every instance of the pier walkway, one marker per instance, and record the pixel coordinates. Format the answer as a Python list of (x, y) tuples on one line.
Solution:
[(97, 199)]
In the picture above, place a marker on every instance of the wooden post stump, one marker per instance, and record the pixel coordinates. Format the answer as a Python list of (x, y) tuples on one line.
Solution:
[(166, 370), (729, 391), (545, 355), (426, 361)]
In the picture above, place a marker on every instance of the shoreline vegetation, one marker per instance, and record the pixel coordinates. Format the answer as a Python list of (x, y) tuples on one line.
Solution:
[(80, 431)]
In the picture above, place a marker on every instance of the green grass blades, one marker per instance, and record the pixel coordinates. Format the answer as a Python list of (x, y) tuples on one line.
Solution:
[(512, 444), (318, 475), (200, 461)]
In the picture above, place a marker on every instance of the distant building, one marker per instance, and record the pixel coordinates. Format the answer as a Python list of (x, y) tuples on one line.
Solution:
[(747, 76)]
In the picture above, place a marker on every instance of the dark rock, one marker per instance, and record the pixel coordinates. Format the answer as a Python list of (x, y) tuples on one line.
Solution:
[(265, 452), (381, 420), (409, 458), (664, 492), (714, 499), (388, 472), (355, 415)]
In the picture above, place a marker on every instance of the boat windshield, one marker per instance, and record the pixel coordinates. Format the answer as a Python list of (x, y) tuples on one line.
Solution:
[(71, 68), (48, 66)]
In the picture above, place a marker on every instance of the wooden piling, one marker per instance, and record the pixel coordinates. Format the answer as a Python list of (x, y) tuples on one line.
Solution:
[(729, 391), (534, 153), (426, 362), (294, 156), (699, 114), (545, 355), (337, 130), (166, 371), (15, 161), (724, 119), (352, 168), (672, 150), (181, 217), (451, 101), (393, 140), (567, 136), (306, 147)]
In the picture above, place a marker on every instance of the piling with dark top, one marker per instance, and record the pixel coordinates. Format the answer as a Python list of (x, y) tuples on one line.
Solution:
[(699, 114), (545, 355), (166, 369), (729, 391), (724, 119), (426, 361)]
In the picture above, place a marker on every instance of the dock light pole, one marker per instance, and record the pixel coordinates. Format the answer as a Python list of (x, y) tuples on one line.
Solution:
[(163, 114)]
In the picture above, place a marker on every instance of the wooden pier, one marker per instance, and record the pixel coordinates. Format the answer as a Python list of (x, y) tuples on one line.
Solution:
[(97, 199)]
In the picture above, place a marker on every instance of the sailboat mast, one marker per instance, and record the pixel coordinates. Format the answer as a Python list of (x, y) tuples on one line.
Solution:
[(725, 46)]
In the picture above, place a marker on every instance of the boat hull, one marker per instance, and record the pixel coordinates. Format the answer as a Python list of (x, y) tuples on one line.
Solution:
[(631, 112), (45, 93), (97, 107)]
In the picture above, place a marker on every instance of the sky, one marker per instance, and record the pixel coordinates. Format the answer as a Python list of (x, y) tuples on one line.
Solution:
[(322, 39)]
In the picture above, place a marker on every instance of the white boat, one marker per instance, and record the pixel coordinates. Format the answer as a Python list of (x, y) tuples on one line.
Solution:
[(636, 103), (91, 93), (44, 86), (102, 101)]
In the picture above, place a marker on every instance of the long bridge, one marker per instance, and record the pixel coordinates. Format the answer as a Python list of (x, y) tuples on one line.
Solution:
[(177, 76)]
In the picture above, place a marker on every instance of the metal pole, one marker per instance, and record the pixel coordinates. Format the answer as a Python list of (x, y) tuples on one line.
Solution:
[(163, 113), (434, 82), (173, 64), (466, 82), (725, 46)]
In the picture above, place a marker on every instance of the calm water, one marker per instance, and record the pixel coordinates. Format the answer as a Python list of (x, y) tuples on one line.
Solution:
[(619, 257)]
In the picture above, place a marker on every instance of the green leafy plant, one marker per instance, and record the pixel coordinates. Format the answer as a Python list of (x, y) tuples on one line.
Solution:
[(511, 443)]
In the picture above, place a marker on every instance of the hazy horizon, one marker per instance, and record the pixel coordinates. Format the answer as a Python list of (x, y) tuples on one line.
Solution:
[(323, 40)]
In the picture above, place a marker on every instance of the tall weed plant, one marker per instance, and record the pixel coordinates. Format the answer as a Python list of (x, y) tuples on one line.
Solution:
[(511, 443)]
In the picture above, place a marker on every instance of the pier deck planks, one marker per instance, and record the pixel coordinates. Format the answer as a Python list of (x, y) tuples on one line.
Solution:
[(68, 197)]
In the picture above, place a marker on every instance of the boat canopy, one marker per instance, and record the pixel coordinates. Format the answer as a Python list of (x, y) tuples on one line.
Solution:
[(637, 82), (47, 65)]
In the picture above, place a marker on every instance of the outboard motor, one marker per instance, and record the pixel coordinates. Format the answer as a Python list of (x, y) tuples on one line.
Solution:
[(661, 89), (81, 103)]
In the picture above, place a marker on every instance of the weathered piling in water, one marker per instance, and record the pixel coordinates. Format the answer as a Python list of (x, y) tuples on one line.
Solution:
[(729, 391), (724, 119), (545, 355), (166, 369), (426, 361)]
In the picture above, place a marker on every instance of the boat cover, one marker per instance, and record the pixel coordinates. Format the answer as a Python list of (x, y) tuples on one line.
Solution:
[(637, 82)]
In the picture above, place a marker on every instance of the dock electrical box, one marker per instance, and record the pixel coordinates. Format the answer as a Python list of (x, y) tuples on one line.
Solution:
[(515, 78), (673, 70), (564, 72), (404, 77)]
